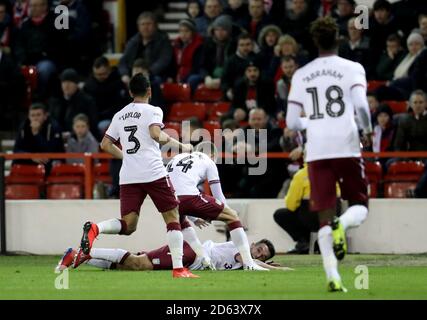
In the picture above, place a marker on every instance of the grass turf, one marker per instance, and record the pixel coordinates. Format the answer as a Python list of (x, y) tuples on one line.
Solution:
[(390, 277)]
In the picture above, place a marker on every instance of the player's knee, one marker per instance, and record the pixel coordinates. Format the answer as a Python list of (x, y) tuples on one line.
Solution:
[(230, 215)]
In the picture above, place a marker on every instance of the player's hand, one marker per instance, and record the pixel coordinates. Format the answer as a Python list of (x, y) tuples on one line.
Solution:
[(187, 147), (367, 140), (296, 154), (201, 223)]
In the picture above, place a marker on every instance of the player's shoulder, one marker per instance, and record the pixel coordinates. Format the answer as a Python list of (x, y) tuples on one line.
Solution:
[(351, 65)]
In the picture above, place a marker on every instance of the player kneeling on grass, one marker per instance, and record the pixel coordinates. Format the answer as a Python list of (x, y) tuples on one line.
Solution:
[(224, 256), (188, 171)]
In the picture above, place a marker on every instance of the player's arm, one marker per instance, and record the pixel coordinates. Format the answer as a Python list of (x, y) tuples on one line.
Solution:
[(163, 138), (214, 182), (360, 101), (271, 267), (107, 145), (294, 120)]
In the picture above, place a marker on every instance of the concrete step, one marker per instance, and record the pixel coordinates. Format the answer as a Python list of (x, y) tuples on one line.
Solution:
[(175, 16), (177, 6), (168, 26)]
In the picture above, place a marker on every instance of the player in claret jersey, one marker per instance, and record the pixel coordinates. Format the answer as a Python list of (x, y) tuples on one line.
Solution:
[(187, 172), (138, 128), (331, 91)]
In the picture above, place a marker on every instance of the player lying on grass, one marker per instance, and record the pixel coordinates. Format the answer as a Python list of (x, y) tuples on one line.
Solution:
[(224, 256), (187, 172)]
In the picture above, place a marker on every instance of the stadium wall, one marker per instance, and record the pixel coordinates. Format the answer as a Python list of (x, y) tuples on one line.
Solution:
[(49, 226)]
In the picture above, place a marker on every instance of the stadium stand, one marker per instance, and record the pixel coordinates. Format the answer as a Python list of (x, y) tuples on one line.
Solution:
[(402, 176)]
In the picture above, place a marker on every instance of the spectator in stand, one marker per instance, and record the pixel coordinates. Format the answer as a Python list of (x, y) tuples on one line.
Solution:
[(412, 129), (344, 13), (150, 44), (258, 18), (287, 46), (12, 89), (188, 54), (81, 140), (422, 26), (217, 50), (328, 8), (283, 85), (40, 44), (390, 58), (21, 9), (140, 66), (384, 133), (238, 11), (194, 9), (267, 40), (236, 65), (356, 47), (381, 26), (401, 86), (72, 102), (109, 92), (252, 91), (8, 32), (296, 23), (211, 10), (38, 134), (373, 103)]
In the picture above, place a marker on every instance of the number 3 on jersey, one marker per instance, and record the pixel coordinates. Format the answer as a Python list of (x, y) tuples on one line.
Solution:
[(338, 93), (132, 138)]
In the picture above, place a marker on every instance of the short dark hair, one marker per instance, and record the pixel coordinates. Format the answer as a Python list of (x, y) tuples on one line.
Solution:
[(38, 106), (394, 38), (324, 32), (101, 62), (244, 36), (270, 246), (81, 117), (140, 63), (147, 15), (382, 4), (139, 85), (288, 58)]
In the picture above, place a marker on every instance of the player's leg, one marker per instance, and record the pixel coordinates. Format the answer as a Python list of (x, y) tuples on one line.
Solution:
[(323, 200), (239, 237), (163, 195), (131, 199), (190, 236), (130, 262)]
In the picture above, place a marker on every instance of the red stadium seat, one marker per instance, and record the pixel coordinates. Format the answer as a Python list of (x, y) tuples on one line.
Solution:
[(31, 78), (22, 191), (26, 174), (67, 173), (184, 111), (203, 94), (397, 106), (211, 126), (64, 191), (402, 176), (373, 171), (173, 127), (101, 172), (176, 92), (216, 110), (375, 84)]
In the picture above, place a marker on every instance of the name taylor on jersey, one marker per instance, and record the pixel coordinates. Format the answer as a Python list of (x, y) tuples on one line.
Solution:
[(127, 115)]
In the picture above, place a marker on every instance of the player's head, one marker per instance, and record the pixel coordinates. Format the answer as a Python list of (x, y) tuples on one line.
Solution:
[(139, 86), (324, 32), (263, 250), (208, 148)]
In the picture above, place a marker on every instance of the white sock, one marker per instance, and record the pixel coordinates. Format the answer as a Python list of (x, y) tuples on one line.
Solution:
[(330, 263), (240, 240), (98, 263), (112, 255), (112, 226), (191, 237), (175, 242), (354, 216)]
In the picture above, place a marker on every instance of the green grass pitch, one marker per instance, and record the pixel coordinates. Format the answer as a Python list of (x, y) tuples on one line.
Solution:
[(390, 277)]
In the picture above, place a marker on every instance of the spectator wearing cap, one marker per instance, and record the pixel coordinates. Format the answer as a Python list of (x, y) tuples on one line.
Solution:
[(212, 9), (236, 65), (218, 48), (150, 44), (252, 91), (188, 54), (72, 102), (267, 40), (39, 133), (258, 18)]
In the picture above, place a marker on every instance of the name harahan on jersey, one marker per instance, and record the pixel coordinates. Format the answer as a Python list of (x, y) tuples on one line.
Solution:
[(323, 88), (187, 171), (223, 256), (142, 159)]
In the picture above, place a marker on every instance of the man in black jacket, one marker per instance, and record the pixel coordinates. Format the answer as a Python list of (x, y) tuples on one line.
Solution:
[(150, 44), (39, 133), (73, 101)]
